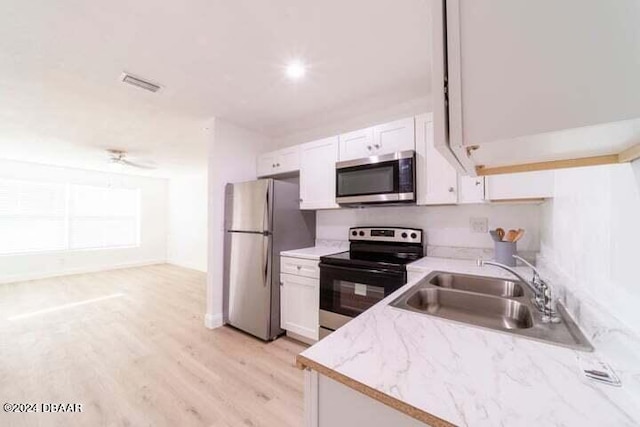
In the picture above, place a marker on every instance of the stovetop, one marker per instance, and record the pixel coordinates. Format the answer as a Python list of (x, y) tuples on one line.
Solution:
[(390, 248)]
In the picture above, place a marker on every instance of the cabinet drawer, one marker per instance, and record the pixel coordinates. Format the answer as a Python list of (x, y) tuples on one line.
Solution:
[(300, 267)]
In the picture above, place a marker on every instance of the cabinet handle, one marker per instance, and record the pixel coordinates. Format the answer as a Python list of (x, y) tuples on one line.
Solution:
[(369, 147), (478, 182), (377, 145), (278, 164), (273, 165), (300, 200), (451, 189), (298, 267)]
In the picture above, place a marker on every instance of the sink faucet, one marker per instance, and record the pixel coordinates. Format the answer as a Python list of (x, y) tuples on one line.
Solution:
[(541, 290)]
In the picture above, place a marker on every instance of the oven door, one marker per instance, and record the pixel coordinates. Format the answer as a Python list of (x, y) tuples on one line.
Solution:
[(389, 178), (348, 291)]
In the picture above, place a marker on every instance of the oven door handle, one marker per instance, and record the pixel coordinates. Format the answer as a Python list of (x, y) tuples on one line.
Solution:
[(360, 270)]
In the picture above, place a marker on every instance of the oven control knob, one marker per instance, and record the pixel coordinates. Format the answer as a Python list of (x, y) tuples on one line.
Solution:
[(404, 235), (354, 233), (414, 235), (361, 233)]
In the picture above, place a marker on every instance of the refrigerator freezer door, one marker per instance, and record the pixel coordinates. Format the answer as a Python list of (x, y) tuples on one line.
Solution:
[(250, 283), (250, 207)]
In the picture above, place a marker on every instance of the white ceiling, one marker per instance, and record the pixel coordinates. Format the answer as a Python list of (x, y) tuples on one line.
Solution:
[(60, 63)]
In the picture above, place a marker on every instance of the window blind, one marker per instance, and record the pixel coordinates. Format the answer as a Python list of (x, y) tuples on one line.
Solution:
[(32, 216), (36, 216), (102, 217)]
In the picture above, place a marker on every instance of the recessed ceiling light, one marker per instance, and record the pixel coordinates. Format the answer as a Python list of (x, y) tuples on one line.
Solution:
[(296, 70)]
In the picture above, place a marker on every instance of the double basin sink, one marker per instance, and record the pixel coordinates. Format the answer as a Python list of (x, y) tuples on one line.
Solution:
[(498, 304)]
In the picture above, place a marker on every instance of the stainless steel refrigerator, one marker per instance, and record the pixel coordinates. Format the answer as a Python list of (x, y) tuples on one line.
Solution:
[(262, 218)]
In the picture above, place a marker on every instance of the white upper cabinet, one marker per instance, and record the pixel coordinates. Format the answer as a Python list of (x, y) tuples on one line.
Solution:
[(395, 136), (525, 185), (289, 159), (471, 189), (266, 164), (279, 162), (356, 144), (318, 174), (382, 139), (437, 180), (536, 84)]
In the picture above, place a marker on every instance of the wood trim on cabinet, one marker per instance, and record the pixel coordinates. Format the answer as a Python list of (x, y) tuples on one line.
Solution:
[(553, 164), (420, 415), (630, 154)]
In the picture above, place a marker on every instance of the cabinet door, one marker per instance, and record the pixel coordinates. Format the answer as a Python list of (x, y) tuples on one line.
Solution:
[(288, 159), (470, 189), (394, 136), (525, 185), (356, 144), (318, 174), (300, 305), (557, 87), (266, 164), (437, 180)]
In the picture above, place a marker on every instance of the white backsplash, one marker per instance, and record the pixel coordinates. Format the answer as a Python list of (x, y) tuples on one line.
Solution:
[(590, 251), (445, 226)]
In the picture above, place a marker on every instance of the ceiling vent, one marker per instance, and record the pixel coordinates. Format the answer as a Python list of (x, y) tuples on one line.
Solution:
[(137, 81)]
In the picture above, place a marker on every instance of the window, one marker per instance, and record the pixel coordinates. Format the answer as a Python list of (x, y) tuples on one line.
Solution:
[(101, 217), (37, 216), (32, 216)]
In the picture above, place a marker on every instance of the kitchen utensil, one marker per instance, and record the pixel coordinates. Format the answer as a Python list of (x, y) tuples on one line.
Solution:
[(519, 234), (495, 236), (511, 235), (500, 232)]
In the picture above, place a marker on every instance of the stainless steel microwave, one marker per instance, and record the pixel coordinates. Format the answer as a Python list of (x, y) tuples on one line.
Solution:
[(390, 178)]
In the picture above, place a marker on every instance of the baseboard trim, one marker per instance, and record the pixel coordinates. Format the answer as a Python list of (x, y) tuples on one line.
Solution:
[(213, 321), (70, 272), (190, 266)]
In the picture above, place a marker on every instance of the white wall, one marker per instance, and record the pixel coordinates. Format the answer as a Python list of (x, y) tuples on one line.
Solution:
[(232, 158), (444, 225), (153, 242), (187, 220), (591, 234)]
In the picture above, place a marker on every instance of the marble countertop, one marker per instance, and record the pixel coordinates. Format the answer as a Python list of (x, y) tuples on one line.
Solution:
[(314, 252), (464, 375)]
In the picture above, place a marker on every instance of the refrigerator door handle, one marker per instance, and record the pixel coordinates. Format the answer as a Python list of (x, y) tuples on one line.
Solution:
[(267, 210), (265, 261)]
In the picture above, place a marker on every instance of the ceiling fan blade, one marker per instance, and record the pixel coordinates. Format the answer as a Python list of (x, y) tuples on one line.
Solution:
[(136, 165)]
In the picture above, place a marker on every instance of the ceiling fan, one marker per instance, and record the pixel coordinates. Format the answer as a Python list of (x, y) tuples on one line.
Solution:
[(120, 157)]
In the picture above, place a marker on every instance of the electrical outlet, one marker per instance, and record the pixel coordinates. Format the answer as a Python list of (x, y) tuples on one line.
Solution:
[(479, 225)]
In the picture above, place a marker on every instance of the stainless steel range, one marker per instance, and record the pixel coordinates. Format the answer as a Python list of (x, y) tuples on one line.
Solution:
[(374, 267)]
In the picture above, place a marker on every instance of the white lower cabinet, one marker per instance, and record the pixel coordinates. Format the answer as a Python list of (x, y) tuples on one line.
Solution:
[(328, 403), (300, 301), (300, 298)]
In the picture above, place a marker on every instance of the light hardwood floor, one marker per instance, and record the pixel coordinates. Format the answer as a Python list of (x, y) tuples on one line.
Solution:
[(142, 358)]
